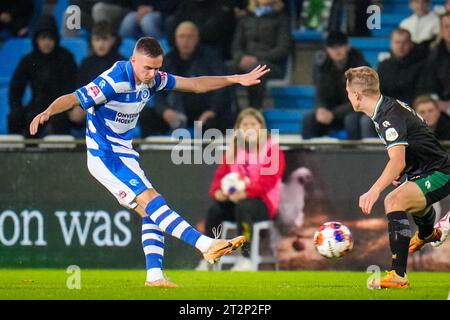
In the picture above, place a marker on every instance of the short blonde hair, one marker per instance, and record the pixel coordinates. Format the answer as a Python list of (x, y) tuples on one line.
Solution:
[(365, 79)]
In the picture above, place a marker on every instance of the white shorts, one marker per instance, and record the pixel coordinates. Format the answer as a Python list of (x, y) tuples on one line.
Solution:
[(122, 176)]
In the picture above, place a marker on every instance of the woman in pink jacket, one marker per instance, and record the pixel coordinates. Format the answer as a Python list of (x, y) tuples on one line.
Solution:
[(259, 161)]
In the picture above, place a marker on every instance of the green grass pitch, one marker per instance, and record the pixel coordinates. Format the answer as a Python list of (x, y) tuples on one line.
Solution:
[(196, 285)]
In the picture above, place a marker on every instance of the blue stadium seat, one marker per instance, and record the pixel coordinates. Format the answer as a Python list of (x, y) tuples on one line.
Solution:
[(59, 10), (4, 110), (287, 121), (295, 97), (37, 12), (10, 54), (384, 32), (165, 45), (339, 134), (78, 47), (307, 35), (371, 47), (370, 43), (127, 46), (396, 7), (392, 19)]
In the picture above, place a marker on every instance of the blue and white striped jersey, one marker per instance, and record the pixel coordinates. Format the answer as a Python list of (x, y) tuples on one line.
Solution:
[(113, 102)]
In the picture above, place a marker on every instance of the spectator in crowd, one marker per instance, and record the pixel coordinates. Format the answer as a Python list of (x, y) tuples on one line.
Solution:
[(423, 24), (147, 19), (104, 53), (438, 68), (438, 121), (262, 38), (179, 109), (215, 20), (112, 11), (333, 111), (15, 17), (402, 75), (51, 71), (251, 153)]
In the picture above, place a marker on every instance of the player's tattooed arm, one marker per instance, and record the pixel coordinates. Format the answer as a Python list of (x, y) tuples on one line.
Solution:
[(393, 169), (60, 105), (210, 83)]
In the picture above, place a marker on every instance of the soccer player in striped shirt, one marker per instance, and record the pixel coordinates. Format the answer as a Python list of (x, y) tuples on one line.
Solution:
[(113, 101)]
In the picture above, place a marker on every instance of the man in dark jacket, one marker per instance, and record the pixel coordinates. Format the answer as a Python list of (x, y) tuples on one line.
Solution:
[(179, 109), (439, 66), (333, 110), (50, 70), (402, 75), (262, 38)]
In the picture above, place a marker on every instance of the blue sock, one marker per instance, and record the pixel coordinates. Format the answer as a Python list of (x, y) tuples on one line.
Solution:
[(172, 223)]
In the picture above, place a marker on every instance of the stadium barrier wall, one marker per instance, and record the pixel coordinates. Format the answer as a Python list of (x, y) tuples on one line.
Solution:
[(54, 214)]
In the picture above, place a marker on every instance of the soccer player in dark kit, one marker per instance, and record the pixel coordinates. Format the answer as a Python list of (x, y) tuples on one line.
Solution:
[(414, 151)]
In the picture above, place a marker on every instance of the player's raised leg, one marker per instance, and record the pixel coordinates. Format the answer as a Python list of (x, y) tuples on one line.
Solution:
[(171, 222), (406, 198), (435, 187)]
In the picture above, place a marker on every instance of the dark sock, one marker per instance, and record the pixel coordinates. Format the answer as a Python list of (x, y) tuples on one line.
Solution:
[(425, 223), (399, 236)]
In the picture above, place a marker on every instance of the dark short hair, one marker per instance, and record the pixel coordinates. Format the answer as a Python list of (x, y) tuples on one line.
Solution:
[(336, 39), (149, 46), (102, 29)]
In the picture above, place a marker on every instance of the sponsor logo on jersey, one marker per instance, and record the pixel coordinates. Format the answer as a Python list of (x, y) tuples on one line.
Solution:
[(102, 84), (122, 194), (428, 184), (386, 124), (126, 118), (93, 91), (134, 182), (391, 134), (145, 95)]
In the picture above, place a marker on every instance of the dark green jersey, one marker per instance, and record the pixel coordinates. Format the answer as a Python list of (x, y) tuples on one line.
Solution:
[(398, 124)]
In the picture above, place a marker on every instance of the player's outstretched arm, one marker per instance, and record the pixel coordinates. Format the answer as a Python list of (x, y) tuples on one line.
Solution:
[(210, 83), (60, 105), (393, 169)]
